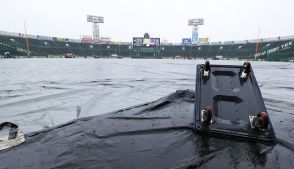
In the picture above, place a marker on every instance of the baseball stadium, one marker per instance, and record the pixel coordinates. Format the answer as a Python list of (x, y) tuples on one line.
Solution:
[(133, 84), (24, 45)]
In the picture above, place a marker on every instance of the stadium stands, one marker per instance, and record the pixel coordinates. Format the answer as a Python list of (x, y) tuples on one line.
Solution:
[(16, 45)]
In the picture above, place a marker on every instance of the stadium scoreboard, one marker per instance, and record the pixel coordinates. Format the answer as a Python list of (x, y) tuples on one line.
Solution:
[(146, 42)]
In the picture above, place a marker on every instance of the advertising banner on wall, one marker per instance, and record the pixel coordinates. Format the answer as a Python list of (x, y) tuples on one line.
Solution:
[(61, 39), (105, 38), (241, 42), (29, 36), (194, 37), (87, 40), (228, 42), (4, 33), (74, 40), (215, 43), (13, 34), (32, 36), (186, 41), (44, 37), (204, 41)]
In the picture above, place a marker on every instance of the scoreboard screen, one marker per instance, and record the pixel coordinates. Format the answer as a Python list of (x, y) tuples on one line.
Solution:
[(138, 42), (151, 42), (146, 42)]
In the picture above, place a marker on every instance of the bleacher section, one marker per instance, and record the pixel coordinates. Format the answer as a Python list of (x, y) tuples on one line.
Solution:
[(16, 45), (7, 50), (284, 52)]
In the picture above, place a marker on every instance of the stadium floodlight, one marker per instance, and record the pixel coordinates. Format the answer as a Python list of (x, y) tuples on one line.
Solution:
[(95, 20), (195, 25), (195, 22)]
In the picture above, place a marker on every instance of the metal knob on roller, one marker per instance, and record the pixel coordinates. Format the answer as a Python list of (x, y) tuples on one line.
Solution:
[(246, 70), (260, 121), (206, 115), (206, 69)]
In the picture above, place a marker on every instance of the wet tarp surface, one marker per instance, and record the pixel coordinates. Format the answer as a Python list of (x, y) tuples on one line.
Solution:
[(39, 94), (158, 134)]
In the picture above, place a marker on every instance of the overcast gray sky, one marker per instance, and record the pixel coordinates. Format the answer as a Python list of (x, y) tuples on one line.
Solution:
[(124, 19)]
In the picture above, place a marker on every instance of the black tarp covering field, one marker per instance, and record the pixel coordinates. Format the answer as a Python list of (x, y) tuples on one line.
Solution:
[(158, 134)]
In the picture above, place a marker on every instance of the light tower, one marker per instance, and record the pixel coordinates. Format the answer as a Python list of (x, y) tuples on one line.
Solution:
[(95, 20), (195, 26)]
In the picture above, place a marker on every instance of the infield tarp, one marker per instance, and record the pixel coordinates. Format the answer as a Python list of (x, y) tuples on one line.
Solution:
[(153, 135)]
